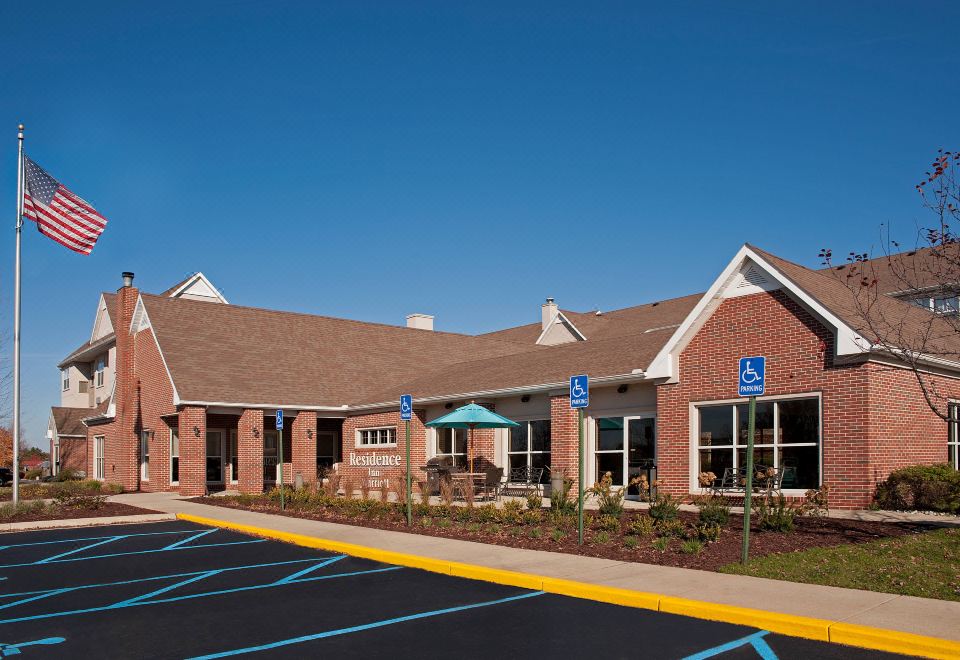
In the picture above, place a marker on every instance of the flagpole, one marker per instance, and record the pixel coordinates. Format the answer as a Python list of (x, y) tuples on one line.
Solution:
[(16, 324)]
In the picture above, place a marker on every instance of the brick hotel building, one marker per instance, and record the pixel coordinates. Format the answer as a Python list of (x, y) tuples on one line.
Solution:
[(176, 391)]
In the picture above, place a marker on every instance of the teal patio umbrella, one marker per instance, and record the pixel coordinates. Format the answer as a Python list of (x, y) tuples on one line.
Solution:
[(472, 416)]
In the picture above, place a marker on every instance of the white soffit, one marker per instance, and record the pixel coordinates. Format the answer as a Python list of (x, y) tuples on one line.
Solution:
[(748, 273)]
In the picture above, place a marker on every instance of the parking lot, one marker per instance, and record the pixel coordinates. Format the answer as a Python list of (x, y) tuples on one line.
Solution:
[(179, 590)]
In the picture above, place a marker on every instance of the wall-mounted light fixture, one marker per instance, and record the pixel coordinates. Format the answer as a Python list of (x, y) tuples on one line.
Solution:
[(256, 432), (196, 431), (448, 406), (623, 388), (525, 398), (310, 434)]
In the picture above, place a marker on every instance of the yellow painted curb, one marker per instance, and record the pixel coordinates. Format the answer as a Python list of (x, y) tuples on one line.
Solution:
[(786, 624), (893, 641)]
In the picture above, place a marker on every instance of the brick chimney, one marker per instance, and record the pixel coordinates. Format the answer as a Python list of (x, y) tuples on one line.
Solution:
[(121, 460)]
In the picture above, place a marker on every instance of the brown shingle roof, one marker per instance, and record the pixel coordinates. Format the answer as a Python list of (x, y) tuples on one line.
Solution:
[(178, 284), (69, 420), (912, 269), (230, 353)]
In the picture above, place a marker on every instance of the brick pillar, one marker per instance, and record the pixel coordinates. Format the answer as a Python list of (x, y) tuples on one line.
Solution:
[(122, 450), (250, 451), (193, 451), (304, 448), (563, 438)]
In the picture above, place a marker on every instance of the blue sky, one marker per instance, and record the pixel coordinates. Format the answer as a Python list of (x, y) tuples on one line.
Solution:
[(370, 160)]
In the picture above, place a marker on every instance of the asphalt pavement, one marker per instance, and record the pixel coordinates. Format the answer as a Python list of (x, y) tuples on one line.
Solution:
[(180, 590)]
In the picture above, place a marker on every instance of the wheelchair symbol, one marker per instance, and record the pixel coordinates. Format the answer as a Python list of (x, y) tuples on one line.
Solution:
[(749, 375), (405, 406), (577, 391)]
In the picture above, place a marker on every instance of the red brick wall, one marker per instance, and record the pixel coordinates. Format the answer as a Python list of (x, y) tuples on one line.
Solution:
[(564, 438), (155, 398), (121, 449), (418, 456), (250, 439), (304, 458), (73, 454), (869, 424), (193, 451)]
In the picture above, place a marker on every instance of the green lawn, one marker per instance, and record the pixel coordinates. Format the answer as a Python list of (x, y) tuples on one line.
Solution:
[(926, 565)]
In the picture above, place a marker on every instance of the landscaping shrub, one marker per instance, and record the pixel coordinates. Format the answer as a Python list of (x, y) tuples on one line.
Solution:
[(67, 474), (641, 526), (775, 514), (486, 513), (531, 517), (33, 474), (817, 502), (664, 507), (631, 542), (426, 521), (921, 488), (510, 513), (561, 501), (708, 532), (670, 527), (535, 532), (534, 501), (609, 499), (713, 510), (462, 514), (69, 500), (607, 523), (691, 547), (661, 544), (558, 534), (9, 510), (602, 537)]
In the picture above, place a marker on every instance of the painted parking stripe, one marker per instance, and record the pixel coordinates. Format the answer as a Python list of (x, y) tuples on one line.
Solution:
[(365, 626), (177, 544), (76, 550), (309, 569), (755, 640), (51, 560), (168, 588), (93, 538)]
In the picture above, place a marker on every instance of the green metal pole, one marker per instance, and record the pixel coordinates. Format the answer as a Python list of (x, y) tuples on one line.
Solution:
[(748, 487), (409, 482), (280, 451), (580, 480)]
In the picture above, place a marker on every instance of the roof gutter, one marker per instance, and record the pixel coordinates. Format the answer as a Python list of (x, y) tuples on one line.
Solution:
[(236, 404), (635, 376)]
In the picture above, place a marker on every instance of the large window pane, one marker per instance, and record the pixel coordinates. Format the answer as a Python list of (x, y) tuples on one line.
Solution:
[(763, 424), (538, 461), (518, 461), (519, 437), (799, 421), (460, 440), (612, 463), (540, 435), (802, 467), (761, 456), (610, 434), (716, 425), (716, 460)]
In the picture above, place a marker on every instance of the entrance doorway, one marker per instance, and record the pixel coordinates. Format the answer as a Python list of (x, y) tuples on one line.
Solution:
[(626, 447), (215, 455)]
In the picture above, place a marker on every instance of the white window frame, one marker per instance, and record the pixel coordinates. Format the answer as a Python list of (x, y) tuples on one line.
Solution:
[(695, 436), (174, 454), (270, 461), (65, 379), (233, 458), (145, 455), (101, 366), (624, 450), (453, 454), (363, 437), (528, 452), (99, 463), (953, 434), (223, 461)]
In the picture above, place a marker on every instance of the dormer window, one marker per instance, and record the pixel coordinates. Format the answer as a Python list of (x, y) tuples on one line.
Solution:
[(101, 365), (65, 378), (941, 304)]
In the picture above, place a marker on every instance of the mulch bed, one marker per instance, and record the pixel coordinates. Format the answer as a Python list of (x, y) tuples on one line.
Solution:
[(57, 513), (809, 533)]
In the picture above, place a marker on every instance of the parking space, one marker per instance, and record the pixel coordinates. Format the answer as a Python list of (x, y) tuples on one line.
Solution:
[(179, 590)]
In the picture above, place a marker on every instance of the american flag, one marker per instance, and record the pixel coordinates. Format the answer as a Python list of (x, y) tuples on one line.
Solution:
[(59, 213)]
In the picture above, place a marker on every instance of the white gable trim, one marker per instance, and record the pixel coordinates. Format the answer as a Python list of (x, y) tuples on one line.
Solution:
[(198, 279), (141, 321), (101, 316), (664, 365), (562, 318)]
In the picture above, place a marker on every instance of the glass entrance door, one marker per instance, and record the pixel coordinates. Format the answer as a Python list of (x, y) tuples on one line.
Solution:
[(625, 447), (641, 449), (215, 457)]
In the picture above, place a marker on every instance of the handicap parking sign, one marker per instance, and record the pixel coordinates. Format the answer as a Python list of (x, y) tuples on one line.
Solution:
[(406, 407), (579, 391), (279, 426), (752, 372)]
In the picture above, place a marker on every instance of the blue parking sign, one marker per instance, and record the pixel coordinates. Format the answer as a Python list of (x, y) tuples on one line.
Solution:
[(579, 391), (279, 420), (406, 407), (752, 376)]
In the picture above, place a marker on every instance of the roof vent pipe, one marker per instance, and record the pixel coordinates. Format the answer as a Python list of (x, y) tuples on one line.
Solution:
[(127, 279), (547, 313)]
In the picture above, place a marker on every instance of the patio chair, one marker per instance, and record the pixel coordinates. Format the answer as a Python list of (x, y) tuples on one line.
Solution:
[(492, 484)]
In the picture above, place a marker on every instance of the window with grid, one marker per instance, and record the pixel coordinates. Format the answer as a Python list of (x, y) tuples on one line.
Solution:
[(530, 446), (65, 378), (452, 443), (379, 437), (787, 435), (953, 436), (101, 367)]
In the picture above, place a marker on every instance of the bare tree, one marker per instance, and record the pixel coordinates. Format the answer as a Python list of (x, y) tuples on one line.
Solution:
[(928, 276)]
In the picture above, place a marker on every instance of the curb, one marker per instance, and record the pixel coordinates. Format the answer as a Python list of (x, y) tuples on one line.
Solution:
[(86, 522), (823, 630)]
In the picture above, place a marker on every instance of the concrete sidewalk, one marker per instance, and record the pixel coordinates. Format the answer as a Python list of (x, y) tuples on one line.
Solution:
[(920, 616)]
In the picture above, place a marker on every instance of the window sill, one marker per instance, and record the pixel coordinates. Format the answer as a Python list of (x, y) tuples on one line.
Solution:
[(375, 447)]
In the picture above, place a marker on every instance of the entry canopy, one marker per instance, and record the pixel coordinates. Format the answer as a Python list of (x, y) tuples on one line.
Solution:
[(472, 416)]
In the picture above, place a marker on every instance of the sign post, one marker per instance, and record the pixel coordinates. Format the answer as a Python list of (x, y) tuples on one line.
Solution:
[(580, 399), (279, 427), (406, 414), (752, 382)]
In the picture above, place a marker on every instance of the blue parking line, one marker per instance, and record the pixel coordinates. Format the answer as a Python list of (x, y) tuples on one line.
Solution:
[(365, 626), (76, 550), (190, 538), (171, 587), (310, 569), (93, 538), (14, 649), (755, 640), (135, 552), (30, 599), (121, 604)]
